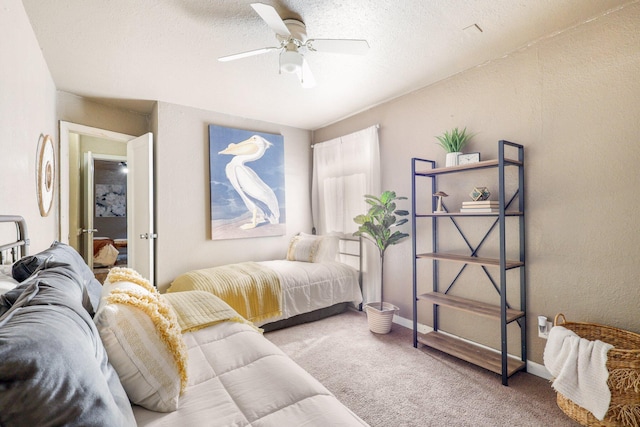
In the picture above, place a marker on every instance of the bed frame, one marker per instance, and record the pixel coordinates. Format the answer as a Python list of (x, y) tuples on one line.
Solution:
[(13, 251), (350, 253)]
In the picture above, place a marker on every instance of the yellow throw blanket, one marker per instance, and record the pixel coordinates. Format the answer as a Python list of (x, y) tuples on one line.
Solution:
[(251, 289), (199, 309)]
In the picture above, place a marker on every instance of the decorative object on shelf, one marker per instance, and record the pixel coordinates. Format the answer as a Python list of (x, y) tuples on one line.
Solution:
[(479, 193), (377, 226), (465, 159), (440, 195), (481, 206), (453, 142), (45, 173)]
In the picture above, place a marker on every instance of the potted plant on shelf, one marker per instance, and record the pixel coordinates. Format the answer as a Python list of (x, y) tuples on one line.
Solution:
[(453, 142), (377, 225)]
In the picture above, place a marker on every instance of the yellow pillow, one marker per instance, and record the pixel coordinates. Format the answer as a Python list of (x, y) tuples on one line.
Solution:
[(143, 341)]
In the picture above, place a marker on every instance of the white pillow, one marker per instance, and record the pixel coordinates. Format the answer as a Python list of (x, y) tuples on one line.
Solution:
[(303, 248), (328, 248), (7, 282), (141, 335)]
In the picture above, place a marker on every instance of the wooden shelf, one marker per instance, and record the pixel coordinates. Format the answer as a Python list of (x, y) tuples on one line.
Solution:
[(490, 262), (475, 307), (471, 166), (486, 358), (448, 214)]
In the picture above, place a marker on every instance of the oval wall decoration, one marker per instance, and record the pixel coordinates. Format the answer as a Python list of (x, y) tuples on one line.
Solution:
[(45, 174)]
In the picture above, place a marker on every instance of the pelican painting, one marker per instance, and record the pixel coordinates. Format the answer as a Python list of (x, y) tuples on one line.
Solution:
[(244, 199), (257, 196)]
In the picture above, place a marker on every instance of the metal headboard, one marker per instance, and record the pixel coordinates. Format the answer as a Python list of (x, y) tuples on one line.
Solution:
[(19, 248), (351, 247)]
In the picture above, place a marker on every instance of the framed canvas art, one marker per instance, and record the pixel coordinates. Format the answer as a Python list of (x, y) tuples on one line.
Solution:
[(111, 200), (246, 183)]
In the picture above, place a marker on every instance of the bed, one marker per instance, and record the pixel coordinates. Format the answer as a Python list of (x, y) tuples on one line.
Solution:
[(77, 353), (308, 285)]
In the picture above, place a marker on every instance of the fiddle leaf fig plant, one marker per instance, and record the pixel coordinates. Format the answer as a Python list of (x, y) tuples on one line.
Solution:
[(379, 225), (453, 141)]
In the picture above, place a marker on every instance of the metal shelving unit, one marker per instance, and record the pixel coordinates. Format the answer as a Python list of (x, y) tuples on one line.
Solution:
[(495, 360)]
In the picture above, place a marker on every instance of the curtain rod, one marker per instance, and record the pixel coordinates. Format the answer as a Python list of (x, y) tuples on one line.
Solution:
[(377, 126)]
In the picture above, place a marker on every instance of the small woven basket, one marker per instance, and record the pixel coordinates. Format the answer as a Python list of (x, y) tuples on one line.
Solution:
[(380, 320), (623, 363)]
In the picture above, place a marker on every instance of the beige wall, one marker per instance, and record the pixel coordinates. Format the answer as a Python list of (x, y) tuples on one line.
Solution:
[(572, 101), (76, 109), (27, 109), (182, 191)]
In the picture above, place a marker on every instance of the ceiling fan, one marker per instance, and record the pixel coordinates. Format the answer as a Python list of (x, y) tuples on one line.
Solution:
[(293, 44)]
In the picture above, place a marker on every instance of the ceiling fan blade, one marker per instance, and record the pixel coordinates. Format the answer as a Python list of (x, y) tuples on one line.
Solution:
[(246, 54), (271, 17), (352, 47), (305, 75)]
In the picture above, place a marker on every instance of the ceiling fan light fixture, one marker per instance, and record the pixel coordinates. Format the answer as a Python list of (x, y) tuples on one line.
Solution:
[(291, 35), (290, 61)]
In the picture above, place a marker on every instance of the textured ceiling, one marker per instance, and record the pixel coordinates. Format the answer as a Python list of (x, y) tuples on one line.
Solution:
[(125, 51)]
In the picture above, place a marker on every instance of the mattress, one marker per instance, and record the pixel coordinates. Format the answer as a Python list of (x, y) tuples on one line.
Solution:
[(309, 286), (239, 378)]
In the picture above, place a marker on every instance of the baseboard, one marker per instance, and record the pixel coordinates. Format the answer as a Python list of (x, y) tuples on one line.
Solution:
[(538, 370), (532, 367)]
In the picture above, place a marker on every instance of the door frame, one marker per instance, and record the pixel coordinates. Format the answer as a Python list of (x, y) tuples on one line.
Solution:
[(63, 160)]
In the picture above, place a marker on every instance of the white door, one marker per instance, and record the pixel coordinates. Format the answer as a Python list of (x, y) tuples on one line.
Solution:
[(87, 229), (140, 225)]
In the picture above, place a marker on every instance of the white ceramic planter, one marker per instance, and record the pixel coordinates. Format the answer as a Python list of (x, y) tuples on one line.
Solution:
[(452, 159)]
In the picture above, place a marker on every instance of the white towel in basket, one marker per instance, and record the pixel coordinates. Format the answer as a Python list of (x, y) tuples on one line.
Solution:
[(580, 369)]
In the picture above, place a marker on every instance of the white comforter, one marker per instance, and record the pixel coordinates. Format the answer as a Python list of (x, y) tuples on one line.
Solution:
[(308, 286), (239, 378)]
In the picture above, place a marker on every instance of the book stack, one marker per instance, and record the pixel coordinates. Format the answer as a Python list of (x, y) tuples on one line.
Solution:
[(480, 206)]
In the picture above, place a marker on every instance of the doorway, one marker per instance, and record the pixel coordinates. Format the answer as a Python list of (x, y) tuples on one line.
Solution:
[(104, 240), (78, 227)]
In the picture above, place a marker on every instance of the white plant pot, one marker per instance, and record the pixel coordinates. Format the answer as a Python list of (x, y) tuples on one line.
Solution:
[(452, 159), (380, 320)]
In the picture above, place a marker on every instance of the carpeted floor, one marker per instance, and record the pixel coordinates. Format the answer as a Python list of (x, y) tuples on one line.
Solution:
[(387, 382)]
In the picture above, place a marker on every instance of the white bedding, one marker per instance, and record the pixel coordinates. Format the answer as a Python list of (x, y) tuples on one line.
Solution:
[(7, 282), (239, 378), (308, 286)]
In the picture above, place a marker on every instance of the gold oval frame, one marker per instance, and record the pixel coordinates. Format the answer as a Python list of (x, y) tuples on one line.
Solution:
[(45, 174)]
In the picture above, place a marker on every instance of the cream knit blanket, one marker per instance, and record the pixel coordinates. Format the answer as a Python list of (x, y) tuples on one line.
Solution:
[(580, 369), (199, 309)]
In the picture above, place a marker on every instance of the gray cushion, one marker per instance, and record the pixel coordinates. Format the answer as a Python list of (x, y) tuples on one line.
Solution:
[(54, 368), (65, 254)]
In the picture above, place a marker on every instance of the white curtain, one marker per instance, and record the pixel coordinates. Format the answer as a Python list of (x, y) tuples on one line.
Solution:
[(344, 170)]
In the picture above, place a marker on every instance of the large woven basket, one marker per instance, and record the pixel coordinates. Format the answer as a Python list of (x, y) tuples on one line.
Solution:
[(623, 363)]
